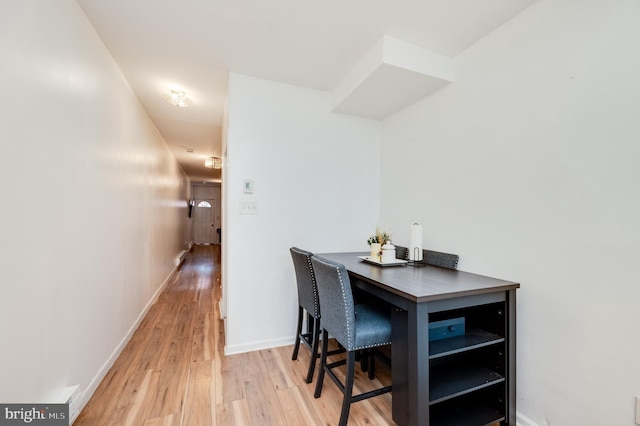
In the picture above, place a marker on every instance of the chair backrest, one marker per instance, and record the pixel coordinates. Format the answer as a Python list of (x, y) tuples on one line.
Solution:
[(444, 260), (306, 281), (402, 253), (430, 257), (336, 298)]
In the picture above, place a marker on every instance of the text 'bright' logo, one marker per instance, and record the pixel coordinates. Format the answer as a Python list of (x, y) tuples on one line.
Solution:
[(27, 416), (40, 414)]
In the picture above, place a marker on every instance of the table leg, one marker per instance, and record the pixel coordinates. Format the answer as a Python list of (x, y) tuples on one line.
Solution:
[(511, 356), (410, 366)]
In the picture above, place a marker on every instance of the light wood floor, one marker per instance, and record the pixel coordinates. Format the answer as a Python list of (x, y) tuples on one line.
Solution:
[(173, 371)]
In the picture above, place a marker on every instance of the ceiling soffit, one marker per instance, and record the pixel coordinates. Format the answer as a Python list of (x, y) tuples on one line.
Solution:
[(391, 76)]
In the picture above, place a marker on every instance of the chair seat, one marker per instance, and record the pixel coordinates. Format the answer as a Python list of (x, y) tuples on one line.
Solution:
[(372, 328)]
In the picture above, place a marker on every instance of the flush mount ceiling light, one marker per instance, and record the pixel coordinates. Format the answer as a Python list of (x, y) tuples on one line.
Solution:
[(213, 162), (178, 99)]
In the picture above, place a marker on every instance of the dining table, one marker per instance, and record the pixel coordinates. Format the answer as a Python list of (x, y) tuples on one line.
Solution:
[(465, 379)]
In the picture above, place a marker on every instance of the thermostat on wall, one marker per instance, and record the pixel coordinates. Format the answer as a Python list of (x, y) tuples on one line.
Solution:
[(247, 186)]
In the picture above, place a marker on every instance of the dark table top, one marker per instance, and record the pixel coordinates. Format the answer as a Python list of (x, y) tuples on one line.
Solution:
[(420, 284)]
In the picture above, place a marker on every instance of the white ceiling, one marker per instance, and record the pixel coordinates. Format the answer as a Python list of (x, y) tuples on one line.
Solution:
[(192, 45)]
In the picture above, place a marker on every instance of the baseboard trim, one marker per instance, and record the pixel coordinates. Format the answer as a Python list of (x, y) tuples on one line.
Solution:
[(222, 305), (522, 420), (102, 372), (180, 258), (259, 345)]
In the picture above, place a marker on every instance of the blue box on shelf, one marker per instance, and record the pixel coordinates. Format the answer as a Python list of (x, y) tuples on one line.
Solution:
[(446, 328)]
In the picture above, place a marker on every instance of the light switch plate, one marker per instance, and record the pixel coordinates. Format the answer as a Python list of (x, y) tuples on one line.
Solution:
[(248, 207)]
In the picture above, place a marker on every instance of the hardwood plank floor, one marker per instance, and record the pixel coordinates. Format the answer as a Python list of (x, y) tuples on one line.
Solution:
[(173, 371)]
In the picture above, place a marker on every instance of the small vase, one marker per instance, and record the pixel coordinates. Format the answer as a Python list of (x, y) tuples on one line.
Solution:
[(388, 253), (376, 251)]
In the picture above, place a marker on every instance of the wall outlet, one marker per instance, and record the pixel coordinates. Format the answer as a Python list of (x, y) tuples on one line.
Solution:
[(638, 410)]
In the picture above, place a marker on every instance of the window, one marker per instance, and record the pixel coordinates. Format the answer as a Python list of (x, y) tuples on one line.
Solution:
[(204, 204)]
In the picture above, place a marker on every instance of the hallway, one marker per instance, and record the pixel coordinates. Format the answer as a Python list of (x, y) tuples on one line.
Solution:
[(173, 371)]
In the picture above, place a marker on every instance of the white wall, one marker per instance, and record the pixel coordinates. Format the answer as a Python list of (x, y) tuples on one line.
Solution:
[(527, 166), (316, 179), (93, 203)]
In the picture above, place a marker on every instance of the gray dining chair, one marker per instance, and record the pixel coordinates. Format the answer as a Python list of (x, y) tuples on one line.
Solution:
[(308, 303), (443, 260), (430, 257), (402, 253), (354, 327)]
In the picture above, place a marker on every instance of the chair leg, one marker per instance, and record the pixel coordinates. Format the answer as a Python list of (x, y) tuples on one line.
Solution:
[(314, 350), (296, 347), (372, 365), (323, 363), (310, 323), (348, 388), (363, 356)]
